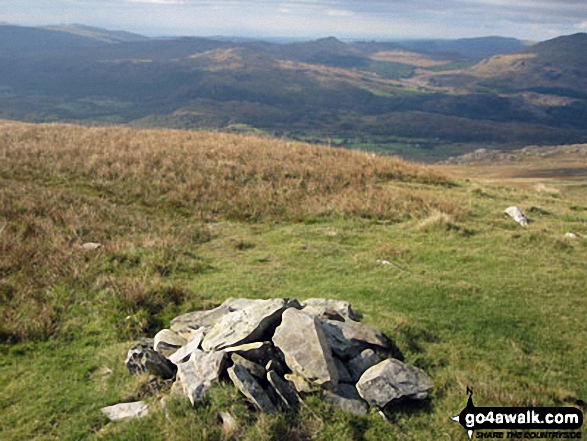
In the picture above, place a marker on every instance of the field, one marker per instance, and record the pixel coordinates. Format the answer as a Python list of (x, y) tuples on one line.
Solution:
[(189, 219)]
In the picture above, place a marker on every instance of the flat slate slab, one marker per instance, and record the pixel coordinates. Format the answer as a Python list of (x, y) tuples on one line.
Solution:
[(301, 339), (251, 389), (244, 325)]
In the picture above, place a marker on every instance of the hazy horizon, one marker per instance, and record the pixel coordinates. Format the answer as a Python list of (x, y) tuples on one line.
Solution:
[(345, 19)]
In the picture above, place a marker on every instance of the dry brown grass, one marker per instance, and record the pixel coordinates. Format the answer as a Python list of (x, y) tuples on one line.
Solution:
[(208, 175), (144, 194)]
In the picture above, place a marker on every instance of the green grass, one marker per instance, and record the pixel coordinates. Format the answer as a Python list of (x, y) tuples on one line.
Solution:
[(473, 299)]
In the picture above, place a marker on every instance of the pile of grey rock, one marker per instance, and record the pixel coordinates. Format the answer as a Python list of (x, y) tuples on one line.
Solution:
[(277, 350)]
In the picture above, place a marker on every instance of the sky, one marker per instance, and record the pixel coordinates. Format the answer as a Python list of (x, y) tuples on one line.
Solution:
[(366, 19)]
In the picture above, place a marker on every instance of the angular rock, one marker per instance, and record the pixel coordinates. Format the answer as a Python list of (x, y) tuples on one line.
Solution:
[(251, 389), (285, 389), (245, 325), (348, 399), (257, 352), (301, 339), (143, 358), (193, 344), (166, 342), (192, 321), (344, 376), (256, 370), (326, 308), (358, 365), (391, 380), (198, 373), (347, 339), (124, 411), (516, 214)]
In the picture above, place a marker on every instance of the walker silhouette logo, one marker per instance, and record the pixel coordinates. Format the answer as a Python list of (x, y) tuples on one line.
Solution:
[(540, 420)]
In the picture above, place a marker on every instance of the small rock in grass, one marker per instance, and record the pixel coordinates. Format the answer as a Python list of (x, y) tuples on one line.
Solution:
[(124, 411)]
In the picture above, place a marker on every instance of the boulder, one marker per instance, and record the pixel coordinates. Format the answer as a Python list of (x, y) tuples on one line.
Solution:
[(183, 354), (348, 399), (391, 380), (358, 365), (285, 389), (516, 214), (198, 373), (347, 339), (256, 370), (300, 383), (143, 358), (166, 342), (301, 339), (274, 365), (245, 325), (329, 309), (124, 411), (251, 389)]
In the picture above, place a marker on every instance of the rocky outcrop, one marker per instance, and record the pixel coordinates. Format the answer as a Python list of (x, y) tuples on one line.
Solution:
[(277, 350)]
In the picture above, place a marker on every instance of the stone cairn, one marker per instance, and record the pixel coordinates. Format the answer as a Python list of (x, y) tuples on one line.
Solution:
[(276, 350)]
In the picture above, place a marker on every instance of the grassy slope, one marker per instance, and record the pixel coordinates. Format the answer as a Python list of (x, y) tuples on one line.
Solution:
[(188, 220)]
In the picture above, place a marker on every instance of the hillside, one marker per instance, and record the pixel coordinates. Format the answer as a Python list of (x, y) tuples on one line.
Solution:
[(428, 100), (188, 219)]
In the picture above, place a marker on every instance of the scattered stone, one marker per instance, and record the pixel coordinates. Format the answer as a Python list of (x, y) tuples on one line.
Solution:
[(251, 389), (384, 262), (256, 370), (348, 399), (230, 425), (167, 342), (143, 358), (245, 325), (91, 246), (183, 354), (571, 236), (516, 214), (325, 308), (285, 389), (391, 380), (347, 339), (124, 411), (358, 365), (301, 339)]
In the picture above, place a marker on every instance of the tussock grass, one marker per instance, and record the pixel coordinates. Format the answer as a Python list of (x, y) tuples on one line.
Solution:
[(208, 176)]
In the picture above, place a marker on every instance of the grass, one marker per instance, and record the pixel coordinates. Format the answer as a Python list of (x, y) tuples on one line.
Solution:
[(187, 220)]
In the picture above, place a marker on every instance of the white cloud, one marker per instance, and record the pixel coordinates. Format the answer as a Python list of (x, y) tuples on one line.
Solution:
[(582, 26), (339, 13), (160, 2)]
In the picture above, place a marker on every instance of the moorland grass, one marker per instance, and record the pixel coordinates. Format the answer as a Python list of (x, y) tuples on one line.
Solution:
[(187, 220)]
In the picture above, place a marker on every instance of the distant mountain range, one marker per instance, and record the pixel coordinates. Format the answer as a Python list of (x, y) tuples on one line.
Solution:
[(428, 98)]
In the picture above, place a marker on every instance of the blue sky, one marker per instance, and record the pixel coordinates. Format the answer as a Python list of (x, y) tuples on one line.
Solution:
[(380, 19)]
